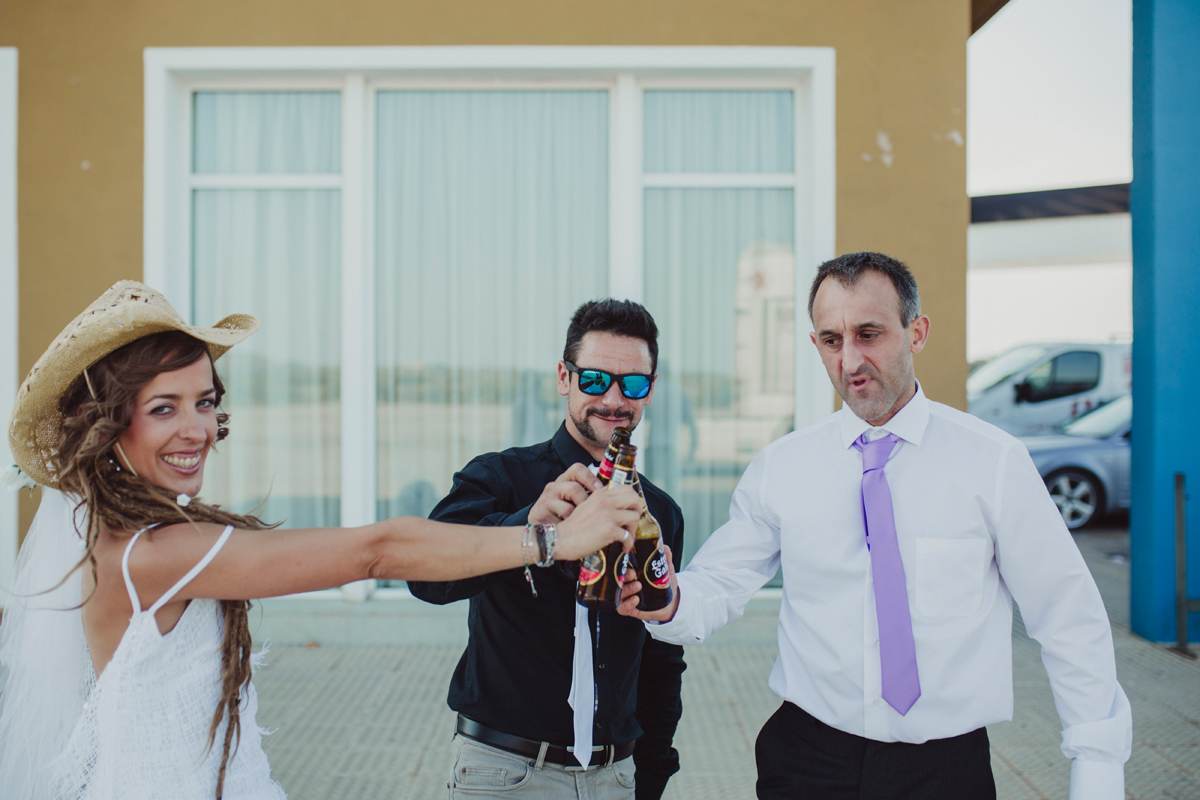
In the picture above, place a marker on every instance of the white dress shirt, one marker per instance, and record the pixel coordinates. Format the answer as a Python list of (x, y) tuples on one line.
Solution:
[(976, 529)]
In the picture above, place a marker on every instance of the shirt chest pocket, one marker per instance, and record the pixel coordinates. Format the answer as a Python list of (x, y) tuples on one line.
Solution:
[(950, 576)]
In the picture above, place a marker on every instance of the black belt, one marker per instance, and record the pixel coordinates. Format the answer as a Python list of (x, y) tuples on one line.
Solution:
[(530, 748)]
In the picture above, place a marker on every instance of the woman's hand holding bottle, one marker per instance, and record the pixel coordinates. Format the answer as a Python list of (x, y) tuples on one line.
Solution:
[(604, 517)]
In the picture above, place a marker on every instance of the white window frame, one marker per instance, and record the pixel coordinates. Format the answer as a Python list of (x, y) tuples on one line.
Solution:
[(9, 307), (172, 75)]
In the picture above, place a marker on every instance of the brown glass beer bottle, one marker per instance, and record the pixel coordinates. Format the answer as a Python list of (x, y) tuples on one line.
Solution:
[(620, 436), (602, 573), (650, 559)]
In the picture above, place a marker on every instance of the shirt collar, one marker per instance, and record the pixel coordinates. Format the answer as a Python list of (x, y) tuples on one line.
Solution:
[(568, 450), (909, 423)]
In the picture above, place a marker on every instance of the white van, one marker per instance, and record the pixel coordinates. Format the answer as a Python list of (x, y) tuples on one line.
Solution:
[(1035, 387)]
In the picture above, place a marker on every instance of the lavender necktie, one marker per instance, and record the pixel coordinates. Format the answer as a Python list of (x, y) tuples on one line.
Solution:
[(897, 653)]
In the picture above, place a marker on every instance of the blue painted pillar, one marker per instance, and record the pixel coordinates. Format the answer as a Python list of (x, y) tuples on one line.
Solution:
[(1165, 204)]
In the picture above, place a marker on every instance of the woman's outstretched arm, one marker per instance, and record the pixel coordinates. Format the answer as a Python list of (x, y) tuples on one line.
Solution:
[(269, 563)]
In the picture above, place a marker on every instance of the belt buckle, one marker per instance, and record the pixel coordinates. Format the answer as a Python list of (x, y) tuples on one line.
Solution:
[(610, 749), (575, 766)]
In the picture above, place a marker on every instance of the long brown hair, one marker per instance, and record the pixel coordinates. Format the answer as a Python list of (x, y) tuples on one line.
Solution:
[(97, 409)]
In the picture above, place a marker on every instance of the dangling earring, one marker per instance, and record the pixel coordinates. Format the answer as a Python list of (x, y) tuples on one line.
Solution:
[(125, 458), (116, 445)]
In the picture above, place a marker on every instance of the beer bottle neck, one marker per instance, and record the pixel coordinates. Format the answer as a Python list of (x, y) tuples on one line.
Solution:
[(622, 476)]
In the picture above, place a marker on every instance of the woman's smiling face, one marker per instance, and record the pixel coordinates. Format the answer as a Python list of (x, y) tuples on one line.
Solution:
[(174, 423)]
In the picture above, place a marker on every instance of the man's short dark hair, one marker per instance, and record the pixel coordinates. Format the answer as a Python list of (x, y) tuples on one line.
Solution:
[(848, 269), (619, 317)]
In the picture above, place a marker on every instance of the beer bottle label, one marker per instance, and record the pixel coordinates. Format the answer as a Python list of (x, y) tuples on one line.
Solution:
[(619, 570), (606, 470), (591, 568), (655, 569)]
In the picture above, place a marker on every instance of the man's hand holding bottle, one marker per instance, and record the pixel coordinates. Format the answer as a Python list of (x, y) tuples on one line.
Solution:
[(630, 596)]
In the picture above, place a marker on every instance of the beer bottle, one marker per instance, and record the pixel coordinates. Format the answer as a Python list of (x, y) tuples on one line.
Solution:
[(620, 436), (650, 559), (602, 573)]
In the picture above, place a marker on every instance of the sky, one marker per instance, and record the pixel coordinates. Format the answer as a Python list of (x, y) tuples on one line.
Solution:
[(1048, 97), (1007, 307), (1049, 106)]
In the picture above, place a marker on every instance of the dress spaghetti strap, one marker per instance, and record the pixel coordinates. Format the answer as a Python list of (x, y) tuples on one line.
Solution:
[(182, 582), (133, 595), (194, 571)]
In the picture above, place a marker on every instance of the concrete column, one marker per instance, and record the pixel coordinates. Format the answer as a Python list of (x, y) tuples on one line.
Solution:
[(1165, 205)]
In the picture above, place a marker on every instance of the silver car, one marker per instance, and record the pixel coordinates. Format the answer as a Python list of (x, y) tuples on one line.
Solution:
[(1086, 463)]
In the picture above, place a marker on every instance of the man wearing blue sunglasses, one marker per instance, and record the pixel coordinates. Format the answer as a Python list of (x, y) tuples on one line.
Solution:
[(529, 655)]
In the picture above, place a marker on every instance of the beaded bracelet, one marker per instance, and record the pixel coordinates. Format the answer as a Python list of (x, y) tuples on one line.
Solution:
[(527, 542)]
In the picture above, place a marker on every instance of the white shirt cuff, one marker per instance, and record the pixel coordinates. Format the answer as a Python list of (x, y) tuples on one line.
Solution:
[(674, 632), (1097, 780)]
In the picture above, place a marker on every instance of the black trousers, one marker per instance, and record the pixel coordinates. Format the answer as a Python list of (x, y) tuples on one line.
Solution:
[(801, 758)]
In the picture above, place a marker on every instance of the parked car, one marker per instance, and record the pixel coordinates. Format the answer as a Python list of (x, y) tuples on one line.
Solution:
[(1037, 387), (1086, 464)]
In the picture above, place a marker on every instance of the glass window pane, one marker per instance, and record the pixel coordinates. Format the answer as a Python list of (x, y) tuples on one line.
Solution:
[(264, 132), (275, 254), (1076, 372), (492, 227), (720, 281), (704, 131), (1039, 377)]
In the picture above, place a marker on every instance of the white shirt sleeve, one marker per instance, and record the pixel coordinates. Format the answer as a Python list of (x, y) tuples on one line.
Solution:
[(1063, 611), (735, 562)]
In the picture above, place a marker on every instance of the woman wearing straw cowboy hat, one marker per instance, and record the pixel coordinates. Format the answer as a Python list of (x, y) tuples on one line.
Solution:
[(125, 654)]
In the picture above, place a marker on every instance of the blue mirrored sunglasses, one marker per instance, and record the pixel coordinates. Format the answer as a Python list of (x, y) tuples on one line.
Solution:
[(596, 382)]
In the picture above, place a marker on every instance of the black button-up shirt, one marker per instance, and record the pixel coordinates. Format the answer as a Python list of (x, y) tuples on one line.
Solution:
[(515, 675)]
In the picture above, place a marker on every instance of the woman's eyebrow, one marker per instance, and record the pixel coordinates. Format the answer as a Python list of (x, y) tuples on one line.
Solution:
[(176, 397)]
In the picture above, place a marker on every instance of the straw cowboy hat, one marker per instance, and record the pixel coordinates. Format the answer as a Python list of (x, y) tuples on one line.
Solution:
[(126, 312)]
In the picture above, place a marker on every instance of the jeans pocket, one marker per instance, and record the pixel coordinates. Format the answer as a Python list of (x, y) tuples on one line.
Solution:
[(624, 771), (479, 768)]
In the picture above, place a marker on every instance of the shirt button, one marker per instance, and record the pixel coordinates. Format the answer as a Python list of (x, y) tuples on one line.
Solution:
[(600, 667), (876, 643), (876, 702)]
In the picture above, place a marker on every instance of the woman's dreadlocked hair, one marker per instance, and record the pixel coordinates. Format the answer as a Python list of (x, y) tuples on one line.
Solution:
[(95, 413)]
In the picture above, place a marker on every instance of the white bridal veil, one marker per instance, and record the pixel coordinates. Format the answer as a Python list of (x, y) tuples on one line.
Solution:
[(45, 671)]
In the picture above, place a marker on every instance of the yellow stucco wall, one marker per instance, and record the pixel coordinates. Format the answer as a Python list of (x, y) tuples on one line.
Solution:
[(901, 70)]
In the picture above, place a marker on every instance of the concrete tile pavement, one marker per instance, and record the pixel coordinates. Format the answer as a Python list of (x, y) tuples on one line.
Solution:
[(371, 722)]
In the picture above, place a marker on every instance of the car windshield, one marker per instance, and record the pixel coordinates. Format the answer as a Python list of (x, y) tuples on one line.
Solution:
[(1104, 421), (1004, 366)]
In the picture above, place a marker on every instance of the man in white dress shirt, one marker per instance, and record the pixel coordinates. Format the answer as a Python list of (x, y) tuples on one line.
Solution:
[(969, 527)]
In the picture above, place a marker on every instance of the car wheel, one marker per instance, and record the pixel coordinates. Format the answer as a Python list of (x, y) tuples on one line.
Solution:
[(1078, 496)]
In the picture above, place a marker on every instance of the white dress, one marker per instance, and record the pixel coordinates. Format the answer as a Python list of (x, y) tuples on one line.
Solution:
[(143, 734)]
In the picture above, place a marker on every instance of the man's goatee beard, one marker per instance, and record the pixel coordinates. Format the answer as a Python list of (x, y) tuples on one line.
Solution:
[(584, 426)]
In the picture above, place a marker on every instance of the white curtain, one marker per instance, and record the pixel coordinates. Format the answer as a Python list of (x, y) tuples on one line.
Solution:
[(276, 254), (718, 131), (491, 228), (720, 282), (267, 132)]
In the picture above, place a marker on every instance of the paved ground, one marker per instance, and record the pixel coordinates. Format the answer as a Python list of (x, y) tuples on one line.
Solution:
[(358, 723)]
